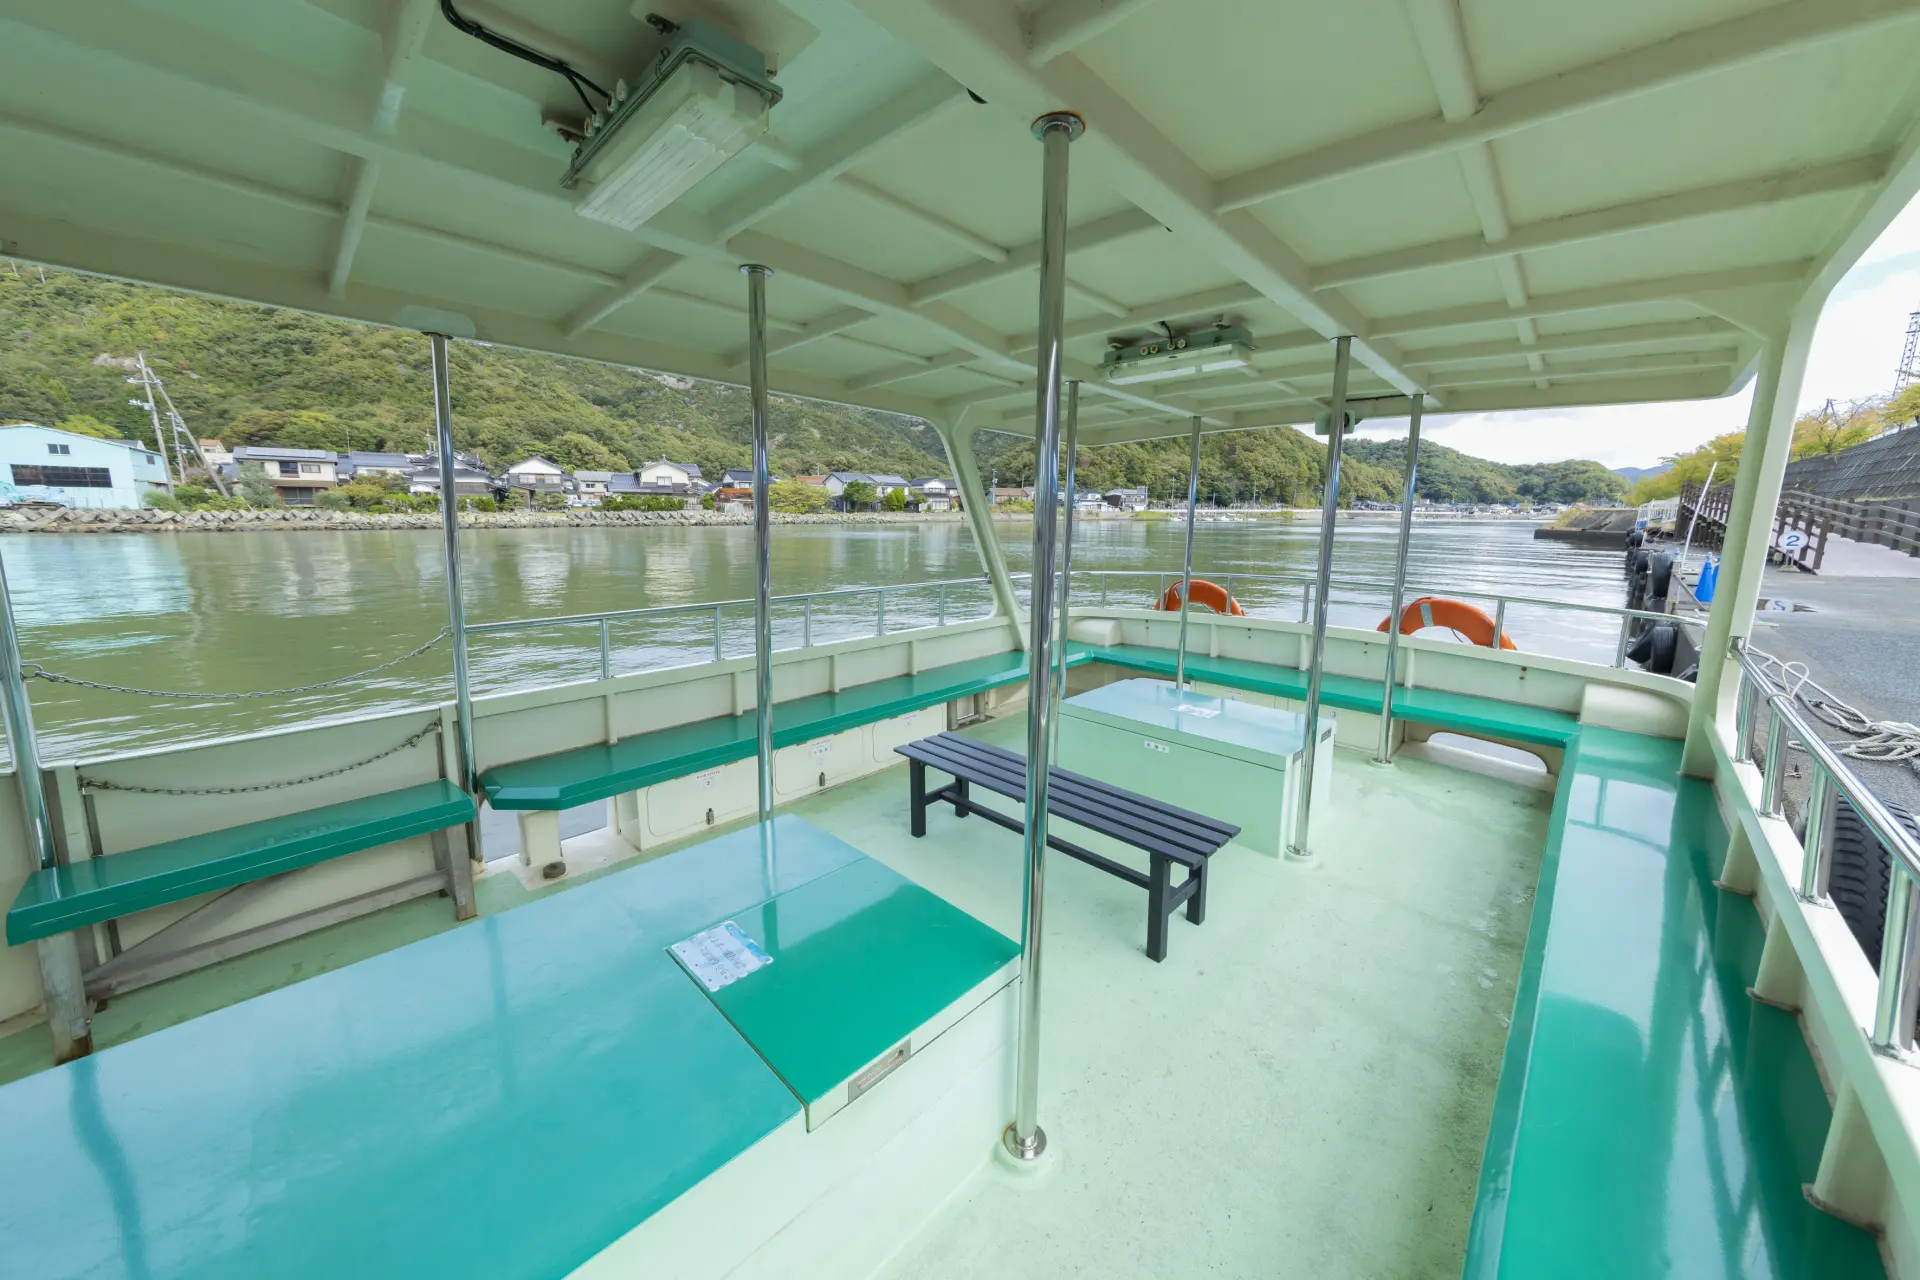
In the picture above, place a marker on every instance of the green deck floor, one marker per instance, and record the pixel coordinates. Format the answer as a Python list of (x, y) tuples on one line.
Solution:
[(1305, 1087)]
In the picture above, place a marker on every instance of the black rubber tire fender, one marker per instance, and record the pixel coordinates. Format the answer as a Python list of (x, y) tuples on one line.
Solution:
[(1860, 872), (1660, 574)]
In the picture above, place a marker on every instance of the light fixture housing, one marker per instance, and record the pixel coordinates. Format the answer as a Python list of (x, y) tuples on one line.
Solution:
[(702, 100), (1178, 355)]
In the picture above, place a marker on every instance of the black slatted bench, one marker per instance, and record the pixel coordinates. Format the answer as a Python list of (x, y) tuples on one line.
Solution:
[(1165, 833)]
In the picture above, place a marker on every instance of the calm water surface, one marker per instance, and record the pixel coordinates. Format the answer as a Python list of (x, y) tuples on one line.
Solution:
[(265, 611)]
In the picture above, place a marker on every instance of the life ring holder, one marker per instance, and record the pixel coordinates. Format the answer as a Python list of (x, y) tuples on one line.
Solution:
[(1455, 615), (1210, 594)]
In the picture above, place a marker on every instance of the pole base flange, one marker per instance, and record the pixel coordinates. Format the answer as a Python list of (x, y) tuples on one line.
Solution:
[(1023, 1162), (1301, 857)]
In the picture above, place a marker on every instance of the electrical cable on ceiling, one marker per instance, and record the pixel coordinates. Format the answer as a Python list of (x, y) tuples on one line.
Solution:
[(468, 26)]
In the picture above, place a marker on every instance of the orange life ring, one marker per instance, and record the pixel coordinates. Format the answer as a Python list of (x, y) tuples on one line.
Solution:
[(1438, 611), (1206, 593)]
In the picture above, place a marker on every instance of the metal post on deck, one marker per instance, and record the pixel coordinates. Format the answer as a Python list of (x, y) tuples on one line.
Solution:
[(762, 532), (1385, 754), (1186, 565), (1024, 1139), (450, 529), (1298, 848)]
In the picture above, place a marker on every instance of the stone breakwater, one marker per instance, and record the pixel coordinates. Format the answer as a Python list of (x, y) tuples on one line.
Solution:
[(313, 519)]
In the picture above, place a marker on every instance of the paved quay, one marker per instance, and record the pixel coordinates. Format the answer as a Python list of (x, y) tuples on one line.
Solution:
[(1860, 637)]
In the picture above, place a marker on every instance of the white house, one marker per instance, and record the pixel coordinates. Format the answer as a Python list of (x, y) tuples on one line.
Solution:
[(43, 464), (673, 475), (298, 475), (535, 473), (936, 494)]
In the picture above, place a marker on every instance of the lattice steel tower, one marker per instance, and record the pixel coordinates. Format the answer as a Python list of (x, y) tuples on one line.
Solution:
[(1907, 373)]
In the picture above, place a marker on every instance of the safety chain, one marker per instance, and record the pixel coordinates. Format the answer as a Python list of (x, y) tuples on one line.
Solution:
[(33, 670), (98, 784)]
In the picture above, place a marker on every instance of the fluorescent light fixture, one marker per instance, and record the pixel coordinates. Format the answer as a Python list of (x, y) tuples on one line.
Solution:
[(688, 127), (1161, 358)]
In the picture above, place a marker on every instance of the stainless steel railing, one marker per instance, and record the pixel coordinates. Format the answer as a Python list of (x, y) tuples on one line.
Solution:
[(1499, 600), (1897, 1002), (718, 609)]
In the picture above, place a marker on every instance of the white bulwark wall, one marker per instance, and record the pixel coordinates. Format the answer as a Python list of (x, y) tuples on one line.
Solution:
[(46, 465)]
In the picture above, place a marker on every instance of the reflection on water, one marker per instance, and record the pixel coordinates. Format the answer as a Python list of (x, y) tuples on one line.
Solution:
[(270, 610)]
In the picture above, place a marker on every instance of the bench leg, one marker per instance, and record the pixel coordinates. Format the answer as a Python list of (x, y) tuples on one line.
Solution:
[(963, 789), (540, 839), (1197, 904), (69, 1016), (917, 797), (458, 869), (1157, 888)]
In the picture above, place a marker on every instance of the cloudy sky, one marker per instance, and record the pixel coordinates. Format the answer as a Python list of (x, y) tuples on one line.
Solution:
[(1854, 354)]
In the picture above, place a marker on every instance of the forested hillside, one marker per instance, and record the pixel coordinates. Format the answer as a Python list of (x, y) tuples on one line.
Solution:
[(251, 375)]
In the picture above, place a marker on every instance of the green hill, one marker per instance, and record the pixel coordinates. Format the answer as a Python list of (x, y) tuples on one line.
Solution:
[(252, 375)]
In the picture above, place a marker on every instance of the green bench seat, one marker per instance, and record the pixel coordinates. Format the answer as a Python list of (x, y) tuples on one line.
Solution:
[(99, 889), (1435, 707), (585, 774)]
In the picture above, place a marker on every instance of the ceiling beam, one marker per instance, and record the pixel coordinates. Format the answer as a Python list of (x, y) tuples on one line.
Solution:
[(905, 112), (1185, 307), (1708, 330), (979, 246), (1664, 289), (814, 330), (402, 41), (913, 369), (1065, 25), (1666, 362), (640, 277), (1612, 220), (1088, 235), (1768, 32), (984, 45)]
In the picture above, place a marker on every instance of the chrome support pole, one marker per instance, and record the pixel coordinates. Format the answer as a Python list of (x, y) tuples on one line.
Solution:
[(806, 624), (450, 528), (1385, 753), (940, 606), (1103, 590), (1745, 704), (1306, 602), (1070, 443), (719, 652), (1186, 565), (762, 533), (1894, 1007), (20, 736), (1298, 848), (1499, 621), (1024, 1139), (606, 651), (1816, 866), (880, 612), (1773, 788), (1620, 649)]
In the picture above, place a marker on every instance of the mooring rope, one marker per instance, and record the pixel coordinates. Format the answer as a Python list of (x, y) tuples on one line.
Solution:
[(1886, 740), (34, 671)]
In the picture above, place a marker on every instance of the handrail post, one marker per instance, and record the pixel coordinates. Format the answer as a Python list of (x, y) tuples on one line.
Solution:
[(1894, 1002), (1299, 849), (1499, 621), (880, 612), (1746, 703), (1103, 589), (606, 651), (1816, 865), (20, 735), (1773, 779), (719, 652), (1024, 1139), (806, 624), (1186, 564), (450, 530), (940, 606), (1385, 753), (1620, 647), (762, 537)]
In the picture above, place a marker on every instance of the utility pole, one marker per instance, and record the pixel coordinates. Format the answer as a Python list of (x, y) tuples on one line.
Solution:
[(152, 405), (181, 432)]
